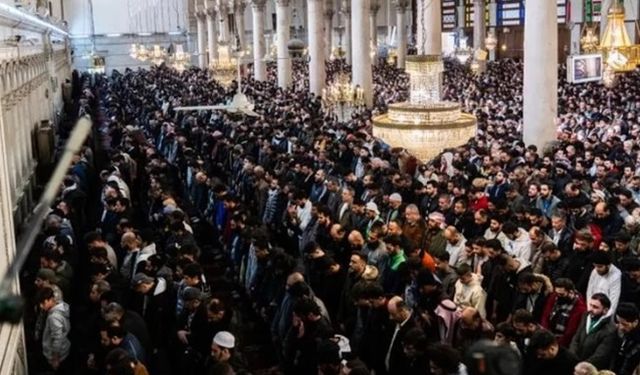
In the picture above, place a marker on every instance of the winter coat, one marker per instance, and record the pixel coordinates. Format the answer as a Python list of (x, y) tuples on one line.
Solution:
[(55, 343), (597, 346)]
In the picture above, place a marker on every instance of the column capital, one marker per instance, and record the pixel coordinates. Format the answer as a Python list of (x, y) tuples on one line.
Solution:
[(283, 3), (375, 6), (401, 5), (238, 6), (328, 13), (258, 4)]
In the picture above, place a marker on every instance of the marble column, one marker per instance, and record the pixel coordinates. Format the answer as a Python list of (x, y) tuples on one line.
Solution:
[(576, 21), (401, 32), (604, 10), (259, 48), (362, 74), (238, 14), (283, 34), (200, 29), (346, 15), (631, 16), (479, 30), (373, 21), (212, 37), (461, 11), (328, 28), (223, 24), (493, 23), (317, 73), (429, 27), (540, 90)]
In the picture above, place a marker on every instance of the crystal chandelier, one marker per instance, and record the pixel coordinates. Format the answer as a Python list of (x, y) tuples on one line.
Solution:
[(342, 97), (143, 53), (589, 40), (224, 68), (337, 53), (133, 51), (609, 78), (180, 59), (491, 41), (158, 55), (425, 125), (392, 56), (463, 52)]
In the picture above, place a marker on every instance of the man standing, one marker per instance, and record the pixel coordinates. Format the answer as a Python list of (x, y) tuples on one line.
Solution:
[(547, 357), (605, 278), (55, 343), (596, 336), (400, 314), (627, 351)]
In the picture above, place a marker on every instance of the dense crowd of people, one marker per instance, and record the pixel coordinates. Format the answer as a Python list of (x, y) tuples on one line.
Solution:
[(186, 240)]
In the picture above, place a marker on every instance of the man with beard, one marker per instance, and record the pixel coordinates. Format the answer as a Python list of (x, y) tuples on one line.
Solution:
[(627, 350), (275, 205), (307, 330), (563, 310), (605, 278), (394, 211), (595, 338), (547, 202), (608, 221), (376, 251), (413, 228), (435, 240), (318, 193), (580, 263), (525, 326), (461, 218), (395, 360), (115, 336), (347, 310), (344, 213), (546, 356), (396, 273), (323, 231)]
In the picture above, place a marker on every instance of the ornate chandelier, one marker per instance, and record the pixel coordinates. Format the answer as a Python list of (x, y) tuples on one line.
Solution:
[(158, 55), (425, 125), (463, 52), (491, 41), (342, 97), (589, 40), (616, 47), (143, 53), (224, 68), (133, 51), (180, 59)]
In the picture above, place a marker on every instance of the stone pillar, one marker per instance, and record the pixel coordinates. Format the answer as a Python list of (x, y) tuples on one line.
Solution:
[(259, 48), (238, 13), (282, 32), (200, 26), (362, 74), (223, 24), (540, 73), (493, 23), (631, 16), (317, 73), (212, 37), (373, 20), (346, 14), (401, 32), (429, 27), (461, 11), (576, 21), (604, 11), (328, 28), (479, 30)]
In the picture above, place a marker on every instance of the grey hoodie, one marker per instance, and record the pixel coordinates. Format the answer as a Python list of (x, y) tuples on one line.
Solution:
[(55, 342)]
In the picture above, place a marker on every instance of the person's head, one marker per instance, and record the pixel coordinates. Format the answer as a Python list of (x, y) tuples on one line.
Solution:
[(601, 211), (464, 274), (585, 368), (45, 299), (130, 241), (192, 298), (627, 317), (551, 252), (601, 262), (98, 289), (495, 224), (558, 222), (398, 309), (598, 305), (565, 290), (112, 335), (357, 263), (452, 235), (393, 244), (192, 274), (443, 359), (356, 240), (544, 344), (216, 310), (505, 334), (222, 346), (414, 343), (142, 283), (583, 241), (524, 323), (412, 214), (470, 318)]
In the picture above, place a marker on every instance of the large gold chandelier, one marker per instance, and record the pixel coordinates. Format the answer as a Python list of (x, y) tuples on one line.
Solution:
[(425, 125), (180, 59), (618, 52), (224, 69), (342, 97)]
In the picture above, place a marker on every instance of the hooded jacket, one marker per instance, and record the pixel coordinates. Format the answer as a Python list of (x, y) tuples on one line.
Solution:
[(55, 343)]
